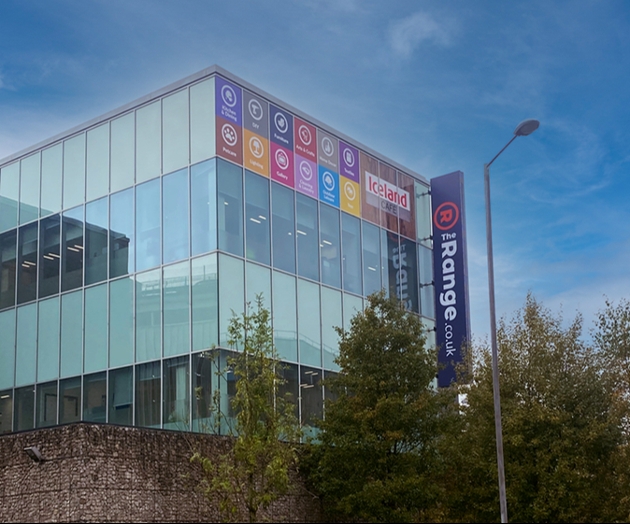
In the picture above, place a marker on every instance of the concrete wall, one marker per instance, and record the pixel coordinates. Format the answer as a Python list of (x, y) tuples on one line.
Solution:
[(101, 473)]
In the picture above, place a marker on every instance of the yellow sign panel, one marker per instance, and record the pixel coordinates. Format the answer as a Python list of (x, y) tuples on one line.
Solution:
[(350, 196), (256, 149)]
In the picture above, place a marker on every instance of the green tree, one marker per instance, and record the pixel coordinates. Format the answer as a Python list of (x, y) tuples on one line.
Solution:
[(377, 450), (561, 431), (257, 469)]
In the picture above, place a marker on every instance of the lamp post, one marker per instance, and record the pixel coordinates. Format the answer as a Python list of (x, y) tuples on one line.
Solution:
[(525, 128)]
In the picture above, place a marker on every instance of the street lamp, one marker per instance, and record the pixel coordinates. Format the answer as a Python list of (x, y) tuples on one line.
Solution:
[(527, 127)]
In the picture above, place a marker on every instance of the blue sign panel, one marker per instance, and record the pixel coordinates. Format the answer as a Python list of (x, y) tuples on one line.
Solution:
[(450, 274), (328, 186)]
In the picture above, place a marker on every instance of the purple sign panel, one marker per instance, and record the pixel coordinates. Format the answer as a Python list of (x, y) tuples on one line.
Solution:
[(228, 101), (349, 161), (306, 176), (281, 126), (450, 273)]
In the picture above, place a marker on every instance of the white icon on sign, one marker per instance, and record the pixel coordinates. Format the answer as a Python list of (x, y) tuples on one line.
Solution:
[(229, 135), (348, 189), (327, 146), (282, 159), (228, 95), (348, 157), (281, 122), (305, 135), (306, 170), (255, 109), (256, 147), (329, 181)]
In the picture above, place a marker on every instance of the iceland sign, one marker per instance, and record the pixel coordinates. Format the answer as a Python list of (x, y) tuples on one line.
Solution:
[(450, 273)]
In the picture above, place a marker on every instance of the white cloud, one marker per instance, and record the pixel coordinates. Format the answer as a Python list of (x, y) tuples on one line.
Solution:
[(407, 34)]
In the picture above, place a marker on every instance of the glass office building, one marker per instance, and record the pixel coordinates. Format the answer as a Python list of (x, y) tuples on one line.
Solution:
[(127, 243)]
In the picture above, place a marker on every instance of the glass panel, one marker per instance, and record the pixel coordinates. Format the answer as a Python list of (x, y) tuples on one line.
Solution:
[(148, 225), (175, 125), (309, 323), (97, 162), (429, 326), (283, 227), (27, 259), (121, 396), (7, 348), (9, 194), (148, 142), (258, 283), (48, 340), (330, 246), (307, 237), (385, 261), (311, 396), (230, 207), (427, 290), (72, 249), (95, 328), (205, 302), (122, 151), (204, 207), (24, 409), (6, 411), (120, 322), (351, 306), (351, 241), (8, 245), (148, 401), (176, 285), (94, 397), (407, 274), (176, 394), (49, 256), (331, 318), (393, 262), (423, 214), (26, 347), (72, 334), (121, 254), (290, 390), (96, 236), (29, 188), (231, 293), (175, 213), (70, 400), (74, 171), (257, 218), (202, 134), (204, 368), (46, 405), (371, 259), (284, 316), (148, 316), (52, 162)]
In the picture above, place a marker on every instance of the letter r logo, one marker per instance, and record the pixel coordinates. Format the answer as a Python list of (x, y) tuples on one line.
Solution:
[(446, 216)]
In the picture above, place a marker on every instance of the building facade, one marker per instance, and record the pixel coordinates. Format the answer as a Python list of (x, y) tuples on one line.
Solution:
[(127, 244)]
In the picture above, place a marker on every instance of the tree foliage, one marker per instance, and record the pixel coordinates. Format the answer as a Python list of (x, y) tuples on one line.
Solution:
[(377, 449), (266, 432), (563, 443)]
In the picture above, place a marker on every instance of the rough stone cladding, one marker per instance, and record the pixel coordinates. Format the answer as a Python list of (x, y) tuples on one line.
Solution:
[(105, 473)]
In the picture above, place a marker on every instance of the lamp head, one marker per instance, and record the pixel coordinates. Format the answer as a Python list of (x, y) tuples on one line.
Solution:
[(526, 127)]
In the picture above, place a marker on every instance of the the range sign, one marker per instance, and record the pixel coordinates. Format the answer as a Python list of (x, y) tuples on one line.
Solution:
[(450, 273)]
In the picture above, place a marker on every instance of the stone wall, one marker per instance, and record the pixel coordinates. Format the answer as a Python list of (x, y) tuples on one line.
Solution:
[(104, 473)]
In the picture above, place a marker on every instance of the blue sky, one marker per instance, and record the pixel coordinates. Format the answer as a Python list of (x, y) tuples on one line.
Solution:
[(437, 85)]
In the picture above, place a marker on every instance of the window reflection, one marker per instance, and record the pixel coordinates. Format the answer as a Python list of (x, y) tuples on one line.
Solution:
[(122, 234), (203, 207), (371, 259), (96, 236), (257, 218), (307, 237), (148, 225), (148, 395), (72, 254), (27, 269), (230, 207), (283, 225), (8, 267), (330, 248), (351, 242), (50, 256), (175, 211)]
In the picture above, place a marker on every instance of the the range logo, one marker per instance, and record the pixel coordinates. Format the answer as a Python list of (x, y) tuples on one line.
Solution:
[(446, 216)]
